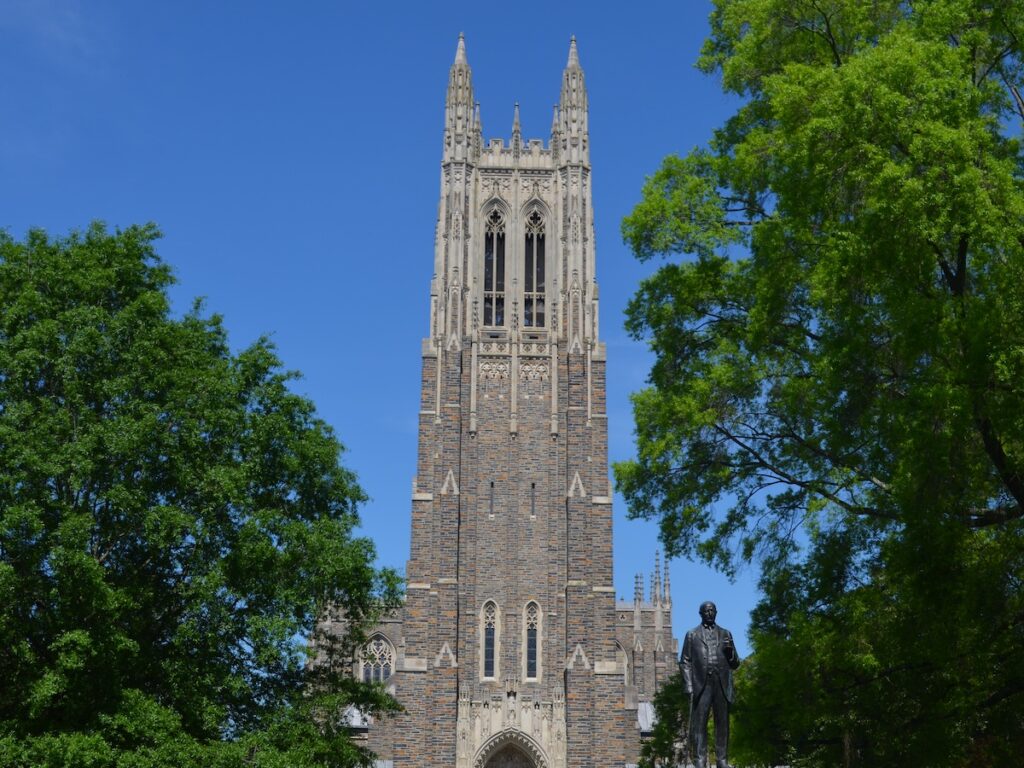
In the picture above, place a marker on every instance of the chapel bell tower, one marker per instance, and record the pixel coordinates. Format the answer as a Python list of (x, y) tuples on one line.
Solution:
[(505, 653)]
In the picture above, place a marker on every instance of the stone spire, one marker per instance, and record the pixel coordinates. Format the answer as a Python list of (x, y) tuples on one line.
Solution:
[(460, 52), (458, 107), (517, 133), (668, 588), (657, 597), (478, 134), (556, 141), (638, 602), (573, 109)]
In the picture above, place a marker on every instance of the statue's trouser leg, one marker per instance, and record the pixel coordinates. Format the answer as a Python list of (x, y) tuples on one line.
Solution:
[(699, 724), (720, 707)]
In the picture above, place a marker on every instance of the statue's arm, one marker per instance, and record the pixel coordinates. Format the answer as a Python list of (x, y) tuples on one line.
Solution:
[(686, 663), (732, 656)]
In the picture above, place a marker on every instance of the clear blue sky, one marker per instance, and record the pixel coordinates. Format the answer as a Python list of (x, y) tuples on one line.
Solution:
[(290, 153)]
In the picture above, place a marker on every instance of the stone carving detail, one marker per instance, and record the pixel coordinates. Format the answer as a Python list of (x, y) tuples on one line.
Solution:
[(465, 721), (533, 371), (494, 369), (506, 728), (497, 185)]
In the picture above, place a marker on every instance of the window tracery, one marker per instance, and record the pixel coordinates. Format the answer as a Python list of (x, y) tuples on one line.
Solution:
[(531, 623), (490, 632), (533, 297), (494, 269), (377, 660)]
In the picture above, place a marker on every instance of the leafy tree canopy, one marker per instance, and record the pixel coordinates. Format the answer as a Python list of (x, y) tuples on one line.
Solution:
[(837, 393), (173, 521)]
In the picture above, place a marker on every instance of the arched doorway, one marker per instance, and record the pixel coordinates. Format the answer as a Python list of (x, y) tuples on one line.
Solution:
[(510, 757)]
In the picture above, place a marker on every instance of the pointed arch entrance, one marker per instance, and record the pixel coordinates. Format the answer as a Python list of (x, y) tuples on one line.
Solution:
[(511, 748), (510, 757)]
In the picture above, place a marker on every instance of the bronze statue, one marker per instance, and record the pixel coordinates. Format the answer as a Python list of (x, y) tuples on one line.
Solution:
[(708, 659)]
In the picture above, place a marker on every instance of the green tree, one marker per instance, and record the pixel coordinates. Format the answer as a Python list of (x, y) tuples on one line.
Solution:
[(173, 523), (838, 391), (671, 707)]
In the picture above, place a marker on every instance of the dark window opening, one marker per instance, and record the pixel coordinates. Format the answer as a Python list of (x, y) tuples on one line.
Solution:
[(532, 627), (494, 270), (533, 285), (490, 625)]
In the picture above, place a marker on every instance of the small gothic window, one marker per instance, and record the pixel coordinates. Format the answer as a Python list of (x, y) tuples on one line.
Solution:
[(532, 628), (378, 660), (533, 298), (490, 630), (494, 269)]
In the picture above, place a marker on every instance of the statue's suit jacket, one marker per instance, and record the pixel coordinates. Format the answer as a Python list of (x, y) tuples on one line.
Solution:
[(696, 660)]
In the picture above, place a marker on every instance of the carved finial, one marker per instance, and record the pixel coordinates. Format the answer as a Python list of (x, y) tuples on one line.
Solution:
[(574, 57), (515, 119), (638, 589), (460, 52), (668, 587)]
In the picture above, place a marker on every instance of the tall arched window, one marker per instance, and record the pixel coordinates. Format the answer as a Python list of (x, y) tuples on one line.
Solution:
[(494, 269), (377, 660), (533, 298), (489, 622), (531, 626)]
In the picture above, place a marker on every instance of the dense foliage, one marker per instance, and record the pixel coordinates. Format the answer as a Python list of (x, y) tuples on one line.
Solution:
[(838, 392), (173, 521)]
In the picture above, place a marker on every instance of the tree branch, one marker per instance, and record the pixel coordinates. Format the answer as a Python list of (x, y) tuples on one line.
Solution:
[(994, 448), (811, 486), (982, 518)]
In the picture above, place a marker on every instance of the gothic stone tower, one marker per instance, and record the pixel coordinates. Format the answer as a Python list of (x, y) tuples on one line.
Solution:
[(511, 649)]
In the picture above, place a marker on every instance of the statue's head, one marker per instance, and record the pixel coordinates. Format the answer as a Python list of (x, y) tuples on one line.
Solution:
[(708, 612)]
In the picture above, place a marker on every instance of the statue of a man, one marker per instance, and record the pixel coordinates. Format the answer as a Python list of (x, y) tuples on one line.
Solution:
[(708, 659)]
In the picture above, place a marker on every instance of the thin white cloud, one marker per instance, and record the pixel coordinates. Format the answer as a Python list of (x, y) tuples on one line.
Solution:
[(59, 29)]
